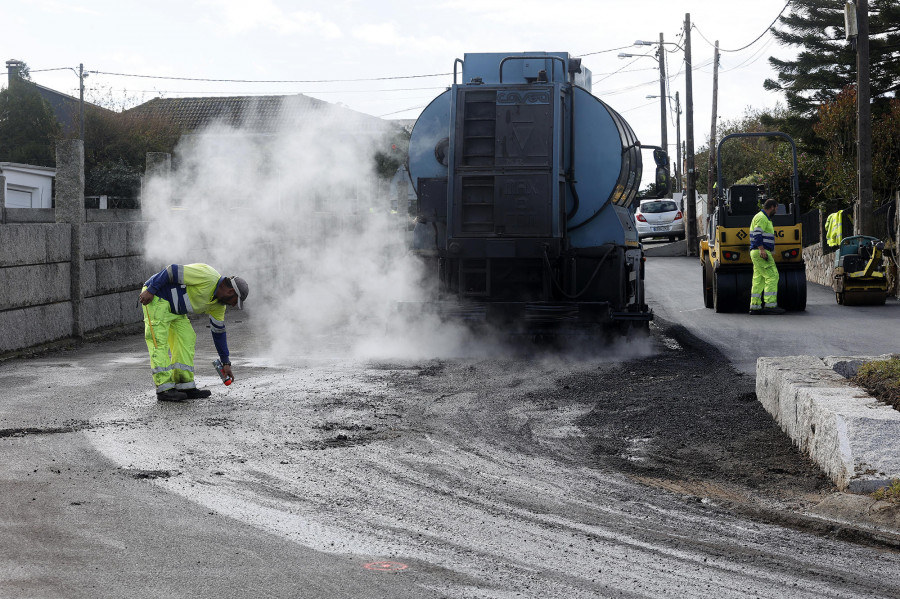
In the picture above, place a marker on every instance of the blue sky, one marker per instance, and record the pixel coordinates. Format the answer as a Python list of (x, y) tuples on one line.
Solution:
[(317, 48)]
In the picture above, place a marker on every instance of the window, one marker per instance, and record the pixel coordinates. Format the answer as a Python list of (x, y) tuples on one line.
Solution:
[(658, 207)]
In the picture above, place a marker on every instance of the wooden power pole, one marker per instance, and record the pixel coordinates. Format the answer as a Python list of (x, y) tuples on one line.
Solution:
[(711, 178), (863, 223), (690, 197)]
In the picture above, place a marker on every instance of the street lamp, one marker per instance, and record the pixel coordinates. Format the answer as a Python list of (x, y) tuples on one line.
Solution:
[(662, 87), (678, 138)]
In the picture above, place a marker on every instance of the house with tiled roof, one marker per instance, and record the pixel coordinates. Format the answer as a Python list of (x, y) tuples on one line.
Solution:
[(254, 114), (261, 117), (66, 108)]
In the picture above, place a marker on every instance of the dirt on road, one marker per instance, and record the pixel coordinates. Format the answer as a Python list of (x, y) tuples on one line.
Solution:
[(646, 468)]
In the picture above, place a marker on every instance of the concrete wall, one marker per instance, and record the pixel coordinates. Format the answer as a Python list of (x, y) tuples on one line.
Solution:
[(65, 280)]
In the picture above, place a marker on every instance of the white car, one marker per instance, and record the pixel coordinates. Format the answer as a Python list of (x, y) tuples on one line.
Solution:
[(659, 218)]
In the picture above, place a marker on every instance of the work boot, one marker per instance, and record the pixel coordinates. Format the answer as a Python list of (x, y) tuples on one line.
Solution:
[(756, 312), (171, 395), (197, 393), (773, 310)]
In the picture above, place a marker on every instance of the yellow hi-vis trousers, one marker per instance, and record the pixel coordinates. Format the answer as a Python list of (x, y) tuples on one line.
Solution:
[(170, 339), (764, 288)]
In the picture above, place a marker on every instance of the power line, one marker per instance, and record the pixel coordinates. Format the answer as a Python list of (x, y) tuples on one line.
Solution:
[(45, 70), (694, 26), (602, 51), (277, 93), (654, 103), (173, 78), (404, 110), (752, 58)]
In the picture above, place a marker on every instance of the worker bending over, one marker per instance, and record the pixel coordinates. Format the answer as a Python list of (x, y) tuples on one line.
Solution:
[(764, 289), (168, 297)]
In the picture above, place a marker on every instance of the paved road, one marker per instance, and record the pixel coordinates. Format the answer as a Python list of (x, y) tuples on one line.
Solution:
[(824, 329), (472, 472)]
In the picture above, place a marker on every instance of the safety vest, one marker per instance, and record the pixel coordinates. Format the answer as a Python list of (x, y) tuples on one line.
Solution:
[(834, 228), (762, 232), (190, 288)]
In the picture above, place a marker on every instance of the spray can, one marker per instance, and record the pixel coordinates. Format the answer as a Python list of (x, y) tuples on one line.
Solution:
[(219, 368)]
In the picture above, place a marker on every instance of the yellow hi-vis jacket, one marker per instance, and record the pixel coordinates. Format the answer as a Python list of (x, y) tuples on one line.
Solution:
[(191, 288), (762, 232), (834, 228)]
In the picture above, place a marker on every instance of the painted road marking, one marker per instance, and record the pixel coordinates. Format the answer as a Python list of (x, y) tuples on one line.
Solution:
[(385, 566)]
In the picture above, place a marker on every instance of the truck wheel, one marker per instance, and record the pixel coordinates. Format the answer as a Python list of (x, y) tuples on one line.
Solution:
[(725, 292), (792, 295), (707, 287)]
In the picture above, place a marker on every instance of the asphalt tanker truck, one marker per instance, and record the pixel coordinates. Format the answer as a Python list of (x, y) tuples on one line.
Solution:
[(526, 185)]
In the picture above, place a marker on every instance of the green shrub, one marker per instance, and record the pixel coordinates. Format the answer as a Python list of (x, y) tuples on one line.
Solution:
[(889, 493), (881, 378)]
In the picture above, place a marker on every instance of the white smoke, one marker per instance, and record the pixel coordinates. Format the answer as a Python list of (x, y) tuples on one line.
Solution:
[(302, 216)]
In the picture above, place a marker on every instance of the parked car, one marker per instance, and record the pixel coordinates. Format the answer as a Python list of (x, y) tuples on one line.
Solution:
[(659, 218)]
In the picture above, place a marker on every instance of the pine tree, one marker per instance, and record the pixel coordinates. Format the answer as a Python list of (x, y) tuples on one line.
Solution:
[(826, 62)]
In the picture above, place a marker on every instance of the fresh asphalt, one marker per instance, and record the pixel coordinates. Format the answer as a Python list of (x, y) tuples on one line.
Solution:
[(825, 328), (77, 522)]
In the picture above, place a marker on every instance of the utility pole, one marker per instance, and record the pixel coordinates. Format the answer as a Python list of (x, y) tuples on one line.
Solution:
[(663, 99), (690, 202), (710, 183), (81, 101), (863, 223), (678, 184)]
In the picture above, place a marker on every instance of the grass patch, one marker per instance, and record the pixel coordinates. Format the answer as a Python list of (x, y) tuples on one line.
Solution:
[(889, 493), (881, 378)]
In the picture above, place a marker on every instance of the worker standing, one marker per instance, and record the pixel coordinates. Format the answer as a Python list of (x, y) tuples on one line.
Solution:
[(764, 289), (168, 297)]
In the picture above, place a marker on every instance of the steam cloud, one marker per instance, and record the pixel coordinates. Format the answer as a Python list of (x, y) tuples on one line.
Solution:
[(301, 215)]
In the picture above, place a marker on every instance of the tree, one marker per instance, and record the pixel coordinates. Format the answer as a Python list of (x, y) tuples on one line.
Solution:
[(28, 128), (837, 127), (388, 161), (763, 160), (826, 62), (116, 146)]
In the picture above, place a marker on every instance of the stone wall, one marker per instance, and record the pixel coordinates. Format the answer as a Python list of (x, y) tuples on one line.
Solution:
[(75, 276), (819, 267)]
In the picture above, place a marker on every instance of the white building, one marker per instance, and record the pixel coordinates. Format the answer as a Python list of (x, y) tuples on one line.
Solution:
[(28, 186)]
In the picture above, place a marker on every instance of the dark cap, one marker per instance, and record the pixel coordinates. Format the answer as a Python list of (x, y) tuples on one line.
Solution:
[(242, 289)]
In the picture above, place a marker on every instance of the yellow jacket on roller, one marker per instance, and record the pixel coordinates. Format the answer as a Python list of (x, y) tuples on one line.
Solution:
[(834, 228)]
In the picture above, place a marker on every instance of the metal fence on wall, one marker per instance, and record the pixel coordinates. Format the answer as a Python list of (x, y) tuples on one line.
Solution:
[(812, 227), (883, 220), (111, 202)]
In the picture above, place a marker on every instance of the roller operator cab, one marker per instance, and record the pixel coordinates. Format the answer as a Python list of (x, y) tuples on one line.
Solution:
[(725, 253), (525, 185)]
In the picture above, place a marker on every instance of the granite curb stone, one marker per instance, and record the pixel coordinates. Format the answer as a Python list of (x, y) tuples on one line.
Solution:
[(851, 435)]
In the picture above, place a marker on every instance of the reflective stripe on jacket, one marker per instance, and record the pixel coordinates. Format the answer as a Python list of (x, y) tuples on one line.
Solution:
[(192, 288), (762, 232)]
